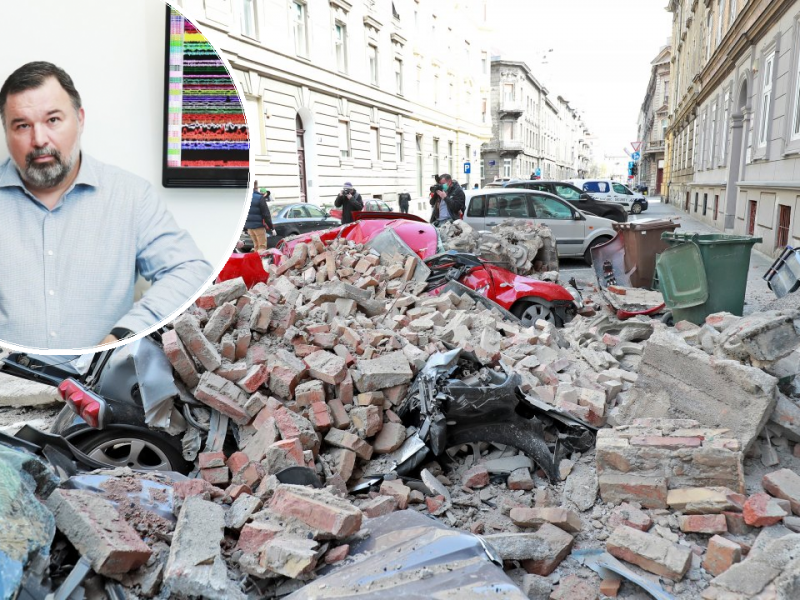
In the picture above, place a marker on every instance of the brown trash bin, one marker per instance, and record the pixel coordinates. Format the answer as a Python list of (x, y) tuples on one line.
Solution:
[(642, 241)]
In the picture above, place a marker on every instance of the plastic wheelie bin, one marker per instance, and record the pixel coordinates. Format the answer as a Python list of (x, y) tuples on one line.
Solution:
[(630, 256), (701, 274)]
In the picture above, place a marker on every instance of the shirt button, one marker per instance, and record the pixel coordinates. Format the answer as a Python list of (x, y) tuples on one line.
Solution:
[(52, 292), (52, 334), (49, 253)]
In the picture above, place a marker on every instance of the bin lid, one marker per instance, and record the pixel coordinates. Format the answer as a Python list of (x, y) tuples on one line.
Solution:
[(682, 276), (646, 224), (709, 239)]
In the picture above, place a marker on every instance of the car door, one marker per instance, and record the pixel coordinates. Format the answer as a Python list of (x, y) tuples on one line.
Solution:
[(560, 218), (507, 206), (476, 211), (316, 218), (622, 195), (298, 219)]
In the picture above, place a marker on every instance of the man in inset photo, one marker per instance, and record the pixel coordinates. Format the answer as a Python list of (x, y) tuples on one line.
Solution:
[(75, 232)]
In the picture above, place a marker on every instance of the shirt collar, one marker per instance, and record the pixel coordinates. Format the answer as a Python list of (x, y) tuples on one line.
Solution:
[(87, 174)]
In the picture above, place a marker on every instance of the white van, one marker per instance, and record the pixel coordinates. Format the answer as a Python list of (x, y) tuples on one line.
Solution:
[(576, 232), (612, 191)]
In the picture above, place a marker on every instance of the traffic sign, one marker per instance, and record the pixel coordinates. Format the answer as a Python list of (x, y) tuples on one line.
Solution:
[(467, 168), (636, 155), (636, 146), (538, 172)]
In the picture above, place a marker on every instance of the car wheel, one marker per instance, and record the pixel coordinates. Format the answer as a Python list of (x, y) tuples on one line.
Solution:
[(636, 208), (529, 311), (134, 448), (587, 255)]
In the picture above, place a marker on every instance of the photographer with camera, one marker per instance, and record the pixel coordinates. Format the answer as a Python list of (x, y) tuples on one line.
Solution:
[(348, 200), (448, 200)]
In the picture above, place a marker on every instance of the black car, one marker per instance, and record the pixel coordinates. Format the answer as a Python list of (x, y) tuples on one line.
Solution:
[(573, 195), (292, 219)]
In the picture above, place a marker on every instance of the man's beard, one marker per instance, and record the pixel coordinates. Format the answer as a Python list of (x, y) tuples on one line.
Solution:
[(52, 174)]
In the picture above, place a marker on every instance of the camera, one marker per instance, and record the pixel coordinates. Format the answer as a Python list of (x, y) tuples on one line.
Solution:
[(437, 187)]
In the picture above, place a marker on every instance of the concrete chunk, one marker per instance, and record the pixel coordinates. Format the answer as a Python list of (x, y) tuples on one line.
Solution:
[(385, 371), (195, 566)]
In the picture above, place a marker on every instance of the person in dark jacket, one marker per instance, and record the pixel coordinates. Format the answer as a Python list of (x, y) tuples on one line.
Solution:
[(259, 219), (404, 200), (349, 200), (449, 202)]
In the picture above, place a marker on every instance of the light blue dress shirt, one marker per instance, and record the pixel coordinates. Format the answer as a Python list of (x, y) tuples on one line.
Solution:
[(67, 276)]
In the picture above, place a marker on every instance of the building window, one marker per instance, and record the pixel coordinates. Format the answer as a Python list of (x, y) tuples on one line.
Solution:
[(436, 156), (666, 92), (249, 22), (372, 59), (766, 99), (344, 139), (709, 35), (705, 204), (716, 206), (450, 156), (375, 143), (254, 107), (663, 129), (419, 165), (340, 43), (508, 130), (506, 167), (752, 207), (398, 76), (483, 170), (723, 149), (713, 138), (485, 63), (483, 110), (796, 112), (401, 158), (719, 21), (696, 200), (508, 92), (784, 220), (732, 12), (300, 19)]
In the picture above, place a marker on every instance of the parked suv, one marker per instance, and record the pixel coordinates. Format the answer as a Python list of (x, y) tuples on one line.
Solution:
[(572, 194), (613, 191), (576, 232)]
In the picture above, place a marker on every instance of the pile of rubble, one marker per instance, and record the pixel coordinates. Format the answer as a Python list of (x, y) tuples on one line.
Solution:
[(525, 249), (313, 373)]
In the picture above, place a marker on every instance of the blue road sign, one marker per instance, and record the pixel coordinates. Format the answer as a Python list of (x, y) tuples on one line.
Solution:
[(538, 172), (467, 168), (630, 165), (492, 163), (636, 155)]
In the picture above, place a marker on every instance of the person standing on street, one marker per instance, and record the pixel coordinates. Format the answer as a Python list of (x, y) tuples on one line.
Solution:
[(404, 199), (349, 200), (449, 202), (258, 219)]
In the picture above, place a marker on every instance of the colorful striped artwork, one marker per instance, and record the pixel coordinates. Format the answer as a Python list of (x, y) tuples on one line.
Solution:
[(205, 121)]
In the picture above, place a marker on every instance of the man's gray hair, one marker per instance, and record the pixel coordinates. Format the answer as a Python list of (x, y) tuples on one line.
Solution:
[(32, 76)]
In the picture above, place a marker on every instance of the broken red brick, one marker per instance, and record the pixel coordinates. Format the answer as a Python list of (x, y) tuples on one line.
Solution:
[(337, 554), (379, 506), (703, 524), (216, 476), (255, 534), (784, 484), (237, 461), (721, 554), (208, 460), (476, 477), (319, 509), (762, 510), (397, 490)]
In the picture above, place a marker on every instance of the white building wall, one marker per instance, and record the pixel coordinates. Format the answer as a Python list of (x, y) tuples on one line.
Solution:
[(282, 84)]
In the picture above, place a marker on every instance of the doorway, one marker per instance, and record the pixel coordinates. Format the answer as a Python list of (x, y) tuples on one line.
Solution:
[(740, 125), (301, 158)]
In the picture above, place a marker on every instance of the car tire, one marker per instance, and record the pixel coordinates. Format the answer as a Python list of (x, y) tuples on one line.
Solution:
[(529, 310), (134, 448), (587, 255), (636, 208)]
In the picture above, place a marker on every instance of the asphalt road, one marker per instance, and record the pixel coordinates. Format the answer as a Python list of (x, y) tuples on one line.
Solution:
[(758, 296)]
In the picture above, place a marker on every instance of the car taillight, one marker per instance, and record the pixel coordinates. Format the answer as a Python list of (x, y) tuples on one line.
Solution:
[(88, 406)]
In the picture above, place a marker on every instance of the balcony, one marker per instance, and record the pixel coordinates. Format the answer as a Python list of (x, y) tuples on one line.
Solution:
[(654, 147), (511, 108), (510, 147)]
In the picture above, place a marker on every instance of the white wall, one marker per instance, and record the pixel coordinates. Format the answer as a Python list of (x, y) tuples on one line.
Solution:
[(114, 52)]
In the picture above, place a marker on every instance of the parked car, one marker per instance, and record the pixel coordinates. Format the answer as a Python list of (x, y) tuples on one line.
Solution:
[(293, 219), (572, 194), (613, 191), (576, 232), (370, 205)]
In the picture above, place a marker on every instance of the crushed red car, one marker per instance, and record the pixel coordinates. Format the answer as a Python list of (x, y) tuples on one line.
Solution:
[(526, 298)]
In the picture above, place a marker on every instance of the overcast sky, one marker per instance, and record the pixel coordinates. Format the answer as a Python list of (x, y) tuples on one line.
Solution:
[(601, 55)]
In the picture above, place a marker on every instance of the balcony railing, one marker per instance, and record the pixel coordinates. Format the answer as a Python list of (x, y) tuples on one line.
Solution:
[(511, 107), (510, 146)]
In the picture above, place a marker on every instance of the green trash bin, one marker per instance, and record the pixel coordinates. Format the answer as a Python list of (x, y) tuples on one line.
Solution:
[(701, 274)]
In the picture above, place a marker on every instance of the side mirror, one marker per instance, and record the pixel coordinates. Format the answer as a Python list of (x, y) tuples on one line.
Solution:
[(585, 196), (576, 216)]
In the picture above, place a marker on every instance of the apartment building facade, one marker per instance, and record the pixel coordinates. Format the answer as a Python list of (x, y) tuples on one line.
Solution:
[(735, 121), (532, 131), (381, 94), (653, 123)]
